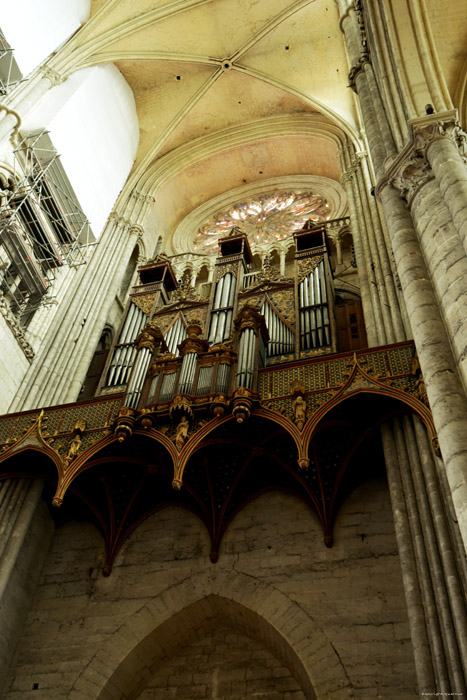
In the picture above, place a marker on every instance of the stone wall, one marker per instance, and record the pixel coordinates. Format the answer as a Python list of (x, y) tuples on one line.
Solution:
[(223, 665), (335, 616)]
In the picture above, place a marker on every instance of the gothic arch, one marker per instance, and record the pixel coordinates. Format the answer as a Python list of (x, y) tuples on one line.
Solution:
[(247, 603)]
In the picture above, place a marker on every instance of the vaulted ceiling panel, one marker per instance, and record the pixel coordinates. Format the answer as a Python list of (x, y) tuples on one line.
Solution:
[(230, 169), (234, 99), (161, 99)]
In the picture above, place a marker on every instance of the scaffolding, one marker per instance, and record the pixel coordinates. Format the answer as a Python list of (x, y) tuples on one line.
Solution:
[(10, 73), (42, 227)]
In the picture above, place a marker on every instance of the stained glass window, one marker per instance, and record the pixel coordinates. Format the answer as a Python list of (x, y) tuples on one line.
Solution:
[(269, 217)]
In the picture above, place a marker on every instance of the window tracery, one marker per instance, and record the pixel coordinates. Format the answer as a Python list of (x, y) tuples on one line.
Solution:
[(268, 218)]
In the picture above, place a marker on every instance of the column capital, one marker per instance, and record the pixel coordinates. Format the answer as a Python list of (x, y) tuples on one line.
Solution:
[(54, 77), (411, 169), (357, 67), (433, 127), (408, 173), (347, 175), (361, 155), (136, 230), (15, 328)]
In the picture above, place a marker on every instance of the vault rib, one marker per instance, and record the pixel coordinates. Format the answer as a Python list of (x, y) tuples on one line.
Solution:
[(183, 112), (270, 26)]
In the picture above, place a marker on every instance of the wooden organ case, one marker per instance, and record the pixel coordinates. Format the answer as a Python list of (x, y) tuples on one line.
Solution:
[(226, 397), (173, 343)]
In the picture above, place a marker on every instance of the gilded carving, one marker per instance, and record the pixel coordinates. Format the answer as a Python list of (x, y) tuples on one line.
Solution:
[(145, 302), (76, 443), (181, 404), (269, 272), (193, 343), (74, 448), (185, 292), (226, 268), (249, 317), (283, 301), (307, 265), (150, 336), (181, 433), (299, 412)]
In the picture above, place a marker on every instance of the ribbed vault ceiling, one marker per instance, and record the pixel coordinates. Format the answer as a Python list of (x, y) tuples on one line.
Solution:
[(199, 68)]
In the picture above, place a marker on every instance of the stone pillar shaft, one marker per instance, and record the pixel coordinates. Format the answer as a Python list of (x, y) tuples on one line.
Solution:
[(357, 236), (25, 536), (415, 610), (446, 263), (450, 171)]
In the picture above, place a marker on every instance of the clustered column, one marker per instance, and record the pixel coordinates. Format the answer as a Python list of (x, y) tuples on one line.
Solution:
[(25, 537), (432, 572), (58, 370)]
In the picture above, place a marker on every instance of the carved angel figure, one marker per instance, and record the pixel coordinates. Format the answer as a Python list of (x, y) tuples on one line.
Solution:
[(299, 412), (181, 433)]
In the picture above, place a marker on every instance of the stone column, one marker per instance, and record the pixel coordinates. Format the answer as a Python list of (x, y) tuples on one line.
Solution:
[(26, 532), (432, 583), (440, 141), (433, 578), (97, 315), (363, 265), (58, 370), (447, 398), (375, 273), (282, 262), (24, 98), (416, 614)]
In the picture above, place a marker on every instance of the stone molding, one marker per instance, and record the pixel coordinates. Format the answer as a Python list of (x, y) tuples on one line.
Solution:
[(432, 128), (54, 77), (411, 169), (409, 173), (356, 69), (15, 328), (364, 57)]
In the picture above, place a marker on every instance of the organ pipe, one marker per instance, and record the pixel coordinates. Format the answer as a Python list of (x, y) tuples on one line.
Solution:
[(167, 386), (148, 341), (222, 381), (138, 376), (125, 351), (187, 373), (246, 359), (175, 335), (282, 338), (204, 381), (222, 308), (314, 312)]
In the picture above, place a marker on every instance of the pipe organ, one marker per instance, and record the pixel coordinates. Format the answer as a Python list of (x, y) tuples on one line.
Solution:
[(175, 334), (281, 334), (174, 343), (124, 352), (317, 326), (222, 308), (314, 312)]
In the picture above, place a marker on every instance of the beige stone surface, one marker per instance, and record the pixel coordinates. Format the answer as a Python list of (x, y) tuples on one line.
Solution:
[(336, 614)]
